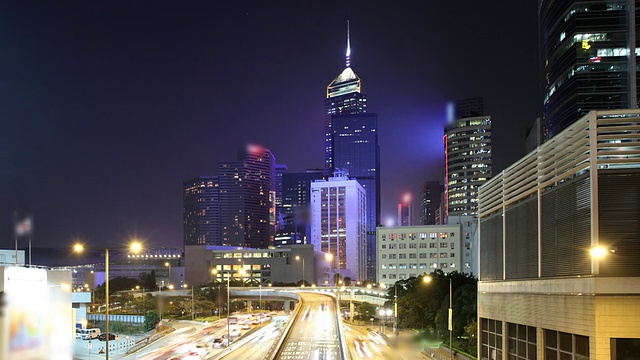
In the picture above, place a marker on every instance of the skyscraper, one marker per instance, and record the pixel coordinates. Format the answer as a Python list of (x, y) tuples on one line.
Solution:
[(356, 150), (586, 58), (281, 169), (429, 202), (467, 143), (343, 97), (296, 206), (201, 211), (339, 223), (247, 198)]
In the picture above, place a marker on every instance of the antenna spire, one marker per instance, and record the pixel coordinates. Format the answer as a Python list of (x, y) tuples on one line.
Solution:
[(348, 46)]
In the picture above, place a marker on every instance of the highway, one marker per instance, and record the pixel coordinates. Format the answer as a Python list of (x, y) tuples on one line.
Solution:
[(363, 343), (314, 334)]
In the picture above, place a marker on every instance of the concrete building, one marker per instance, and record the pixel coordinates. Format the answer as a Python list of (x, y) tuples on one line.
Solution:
[(559, 235), (407, 251), (467, 144), (286, 264), (339, 224)]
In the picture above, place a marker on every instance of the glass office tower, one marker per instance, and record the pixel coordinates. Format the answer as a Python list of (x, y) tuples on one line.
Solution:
[(588, 58)]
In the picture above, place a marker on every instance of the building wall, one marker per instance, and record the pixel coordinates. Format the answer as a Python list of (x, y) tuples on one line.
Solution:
[(420, 249), (272, 266), (201, 211)]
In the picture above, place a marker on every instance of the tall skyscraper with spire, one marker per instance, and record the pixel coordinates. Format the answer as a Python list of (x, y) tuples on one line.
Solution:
[(343, 98), (351, 145)]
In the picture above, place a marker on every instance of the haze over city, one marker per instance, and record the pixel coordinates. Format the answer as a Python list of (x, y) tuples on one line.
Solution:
[(106, 108)]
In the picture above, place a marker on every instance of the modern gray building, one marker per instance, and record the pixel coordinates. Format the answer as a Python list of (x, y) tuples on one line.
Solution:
[(559, 246)]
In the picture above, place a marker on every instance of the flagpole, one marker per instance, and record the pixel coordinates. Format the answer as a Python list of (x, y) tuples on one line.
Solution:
[(15, 233)]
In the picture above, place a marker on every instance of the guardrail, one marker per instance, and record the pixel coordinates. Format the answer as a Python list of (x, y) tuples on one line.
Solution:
[(148, 340), (341, 341), (274, 351)]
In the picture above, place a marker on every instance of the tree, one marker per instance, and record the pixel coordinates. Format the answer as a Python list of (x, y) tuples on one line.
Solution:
[(336, 278), (151, 319), (366, 311), (347, 281)]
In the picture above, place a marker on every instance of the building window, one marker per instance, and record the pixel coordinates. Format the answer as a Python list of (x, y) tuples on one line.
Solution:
[(392, 246), (423, 245), (412, 256), (423, 255), (384, 246), (443, 255), (392, 267), (423, 266), (521, 343), (402, 266), (561, 345), (467, 265), (384, 266), (384, 256), (413, 266), (392, 256), (443, 235), (443, 245), (413, 246), (452, 245), (402, 246), (402, 256), (452, 255), (433, 245), (490, 339), (467, 245), (433, 255), (433, 235)]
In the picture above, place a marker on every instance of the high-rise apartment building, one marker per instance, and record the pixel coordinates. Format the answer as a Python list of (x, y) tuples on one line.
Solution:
[(201, 211), (247, 198), (467, 143), (339, 223), (343, 97), (430, 201), (356, 151), (559, 243), (588, 58)]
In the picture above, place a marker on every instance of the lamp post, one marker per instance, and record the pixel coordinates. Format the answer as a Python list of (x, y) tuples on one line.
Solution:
[(298, 258), (427, 279), (134, 247)]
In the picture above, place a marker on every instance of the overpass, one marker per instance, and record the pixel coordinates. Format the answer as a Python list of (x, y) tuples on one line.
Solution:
[(351, 294)]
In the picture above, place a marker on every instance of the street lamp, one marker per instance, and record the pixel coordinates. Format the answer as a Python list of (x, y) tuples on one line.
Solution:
[(168, 276), (298, 258), (79, 248), (193, 311)]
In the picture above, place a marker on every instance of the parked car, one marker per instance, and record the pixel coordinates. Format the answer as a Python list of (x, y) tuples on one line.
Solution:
[(88, 334), (103, 337)]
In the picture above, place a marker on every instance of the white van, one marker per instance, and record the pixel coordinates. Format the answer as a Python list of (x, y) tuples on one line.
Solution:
[(89, 334)]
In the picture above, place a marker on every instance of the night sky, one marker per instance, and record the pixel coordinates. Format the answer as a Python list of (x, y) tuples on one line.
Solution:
[(107, 106)]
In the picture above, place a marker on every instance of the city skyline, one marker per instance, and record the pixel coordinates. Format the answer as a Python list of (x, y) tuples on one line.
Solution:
[(102, 134)]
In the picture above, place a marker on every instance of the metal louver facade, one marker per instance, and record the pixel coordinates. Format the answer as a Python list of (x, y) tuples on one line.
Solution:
[(579, 190)]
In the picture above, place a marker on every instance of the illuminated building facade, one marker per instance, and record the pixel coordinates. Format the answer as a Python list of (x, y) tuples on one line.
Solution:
[(559, 237), (339, 223), (344, 97), (247, 199), (356, 151), (586, 59), (201, 211), (467, 143)]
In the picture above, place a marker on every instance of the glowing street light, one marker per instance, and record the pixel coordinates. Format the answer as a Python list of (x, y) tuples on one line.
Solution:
[(598, 252), (134, 247), (298, 258)]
